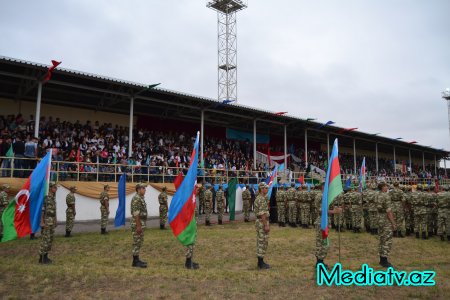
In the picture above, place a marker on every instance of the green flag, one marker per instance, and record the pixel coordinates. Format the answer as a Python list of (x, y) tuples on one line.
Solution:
[(9, 231), (10, 152), (232, 185)]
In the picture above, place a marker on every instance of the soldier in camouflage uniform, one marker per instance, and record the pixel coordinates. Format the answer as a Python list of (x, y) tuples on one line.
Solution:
[(246, 198), (432, 212), (298, 205), (443, 200), (292, 205), (321, 244), (386, 225), (262, 224), (338, 219), (162, 198), (4, 201), (48, 224), (281, 206), (220, 202), (138, 219), (409, 212), (208, 204), (365, 208), (398, 204), (373, 212), (304, 207), (356, 210), (70, 211), (347, 198), (420, 213), (201, 196), (104, 209)]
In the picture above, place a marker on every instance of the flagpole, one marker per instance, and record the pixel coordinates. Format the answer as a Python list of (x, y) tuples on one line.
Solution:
[(339, 239)]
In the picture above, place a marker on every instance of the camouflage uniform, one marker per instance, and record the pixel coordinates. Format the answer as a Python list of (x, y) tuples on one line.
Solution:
[(304, 208), (162, 198), (443, 214), (365, 209), (138, 208), (321, 244), (49, 216), (281, 206), (220, 204), (338, 219), (246, 198), (262, 238), (373, 212), (432, 213), (409, 212), (298, 205), (292, 208), (104, 200), (347, 199), (398, 203), (420, 214), (356, 211), (201, 197), (208, 205), (3, 204), (385, 233), (70, 211)]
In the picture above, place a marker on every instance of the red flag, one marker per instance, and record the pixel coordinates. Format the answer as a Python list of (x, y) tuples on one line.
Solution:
[(301, 179), (281, 113), (50, 70), (178, 180), (78, 158)]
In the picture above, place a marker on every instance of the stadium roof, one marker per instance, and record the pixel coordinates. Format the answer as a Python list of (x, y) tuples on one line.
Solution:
[(19, 80)]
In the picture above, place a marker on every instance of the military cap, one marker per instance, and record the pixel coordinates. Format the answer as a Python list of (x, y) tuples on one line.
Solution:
[(293, 184), (4, 186), (106, 186), (164, 188), (74, 188), (262, 185), (396, 183), (381, 185), (141, 185)]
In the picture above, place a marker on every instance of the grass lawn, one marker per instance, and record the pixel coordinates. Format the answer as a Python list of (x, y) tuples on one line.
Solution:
[(93, 266)]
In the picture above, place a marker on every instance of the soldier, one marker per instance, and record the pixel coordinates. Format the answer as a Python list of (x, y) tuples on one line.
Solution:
[(444, 214), (321, 244), (262, 224), (420, 214), (356, 210), (201, 196), (338, 219), (104, 209), (409, 213), (246, 198), (386, 225), (281, 206), (220, 202), (162, 198), (304, 207), (298, 206), (48, 224), (398, 203), (292, 205), (347, 199), (208, 204), (432, 212), (4, 201), (138, 219), (190, 264), (373, 212), (70, 211)]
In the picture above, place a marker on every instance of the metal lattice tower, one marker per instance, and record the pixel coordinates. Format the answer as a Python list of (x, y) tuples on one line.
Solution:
[(446, 96), (227, 46)]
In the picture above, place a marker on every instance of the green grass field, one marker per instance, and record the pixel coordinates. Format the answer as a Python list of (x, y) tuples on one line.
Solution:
[(95, 266)]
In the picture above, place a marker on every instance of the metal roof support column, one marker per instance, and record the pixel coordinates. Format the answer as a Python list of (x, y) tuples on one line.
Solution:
[(254, 144), (306, 148), (285, 147), (376, 157), (202, 134), (38, 110), (130, 134), (354, 156), (395, 162)]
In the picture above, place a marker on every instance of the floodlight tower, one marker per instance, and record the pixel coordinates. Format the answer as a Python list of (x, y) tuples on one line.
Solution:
[(446, 97), (227, 46)]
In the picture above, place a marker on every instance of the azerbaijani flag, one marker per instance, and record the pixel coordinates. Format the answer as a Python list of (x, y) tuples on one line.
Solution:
[(362, 176), (332, 188), (182, 207), (272, 179), (23, 215)]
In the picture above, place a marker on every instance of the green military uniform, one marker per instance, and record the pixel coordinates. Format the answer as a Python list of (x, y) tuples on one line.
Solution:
[(70, 211), (298, 212), (104, 210), (409, 212), (356, 210), (292, 205), (208, 206), (4, 201), (338, 219), (373, 212), (432, 213), (443, 201), (262, 238), (385, 232), (201, 197), (281, 207), (398, 204), (304, 207), (138, 209), (246, 198), (418, 200), (48, 230), (347, 200), (162, 198), (365, 209), (220, 198)]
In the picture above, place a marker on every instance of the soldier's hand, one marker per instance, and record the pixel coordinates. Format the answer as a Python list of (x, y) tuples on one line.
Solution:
[(338, 210), (139, 230), (266, 228)]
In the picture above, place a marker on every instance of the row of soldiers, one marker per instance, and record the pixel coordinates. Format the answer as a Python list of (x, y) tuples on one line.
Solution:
[(421, 210)]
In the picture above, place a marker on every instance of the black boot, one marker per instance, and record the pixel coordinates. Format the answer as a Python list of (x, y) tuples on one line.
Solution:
[(430, 233), (67, 234), (320, 261), (32, 236), (408, 232), (262, 264), (400, 234), (283, 224), (162, 226), (41, 259), (417, 235), (424, 236), (220, 222), (448, 237), (279, 224), (208, 223), (246, 220), (137, 263), (46, 260), (442, 238), (384, 262), (293, 225), (103, 231), (190, 264), (395, 233)]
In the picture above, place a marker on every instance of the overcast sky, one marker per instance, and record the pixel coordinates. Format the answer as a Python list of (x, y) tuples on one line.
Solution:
[(377, 65)]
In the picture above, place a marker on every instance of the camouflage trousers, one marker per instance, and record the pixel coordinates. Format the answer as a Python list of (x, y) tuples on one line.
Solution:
[(281, 211), (298, 213), (432, 219), (292, 212), (348, 216), (313, 214), (138, 240), (201, 208), (366, 218), (190, 251), (356, 216), (373, 217), (339, 218), (70, 218), (443, 221), (420, 222), (304, 213), (399, 215), (385, 235), (321, 244), (162, 214), (219, 211), (246, 208), (207, 211), (409, 219), (47, 239), (262, 239), (104, 218)]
